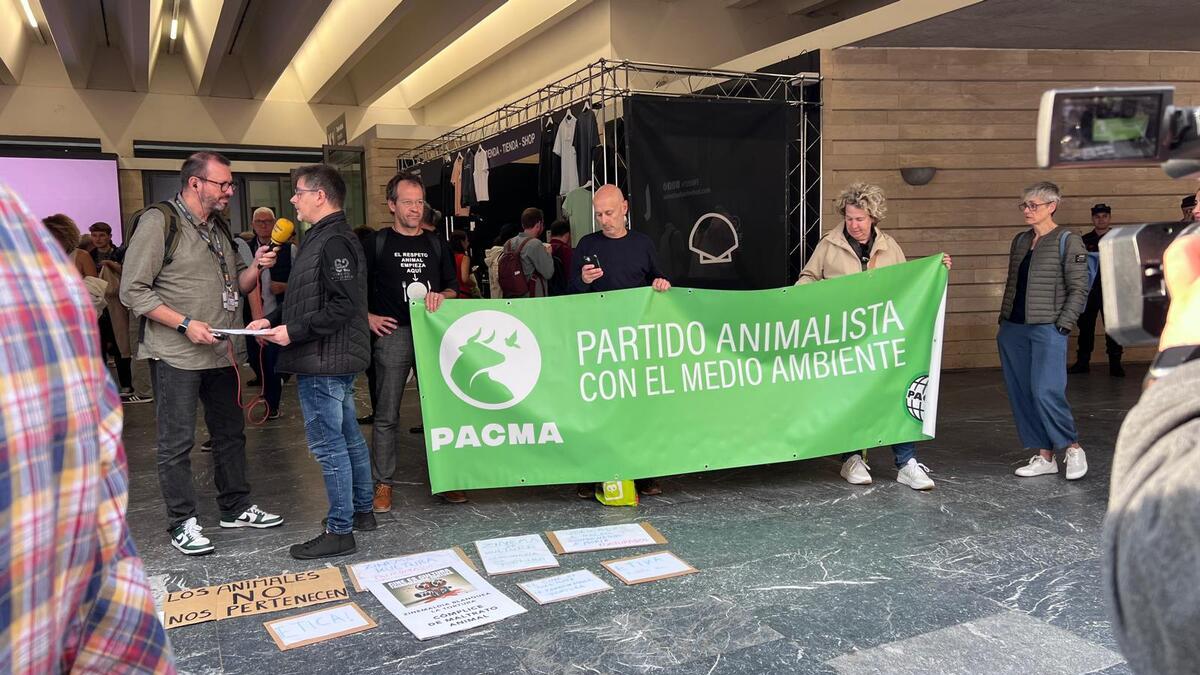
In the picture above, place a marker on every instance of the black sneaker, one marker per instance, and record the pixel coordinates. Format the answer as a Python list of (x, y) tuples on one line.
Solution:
[(326, 545), (366, 419), (206, 446), (274, 415), (363, 522)]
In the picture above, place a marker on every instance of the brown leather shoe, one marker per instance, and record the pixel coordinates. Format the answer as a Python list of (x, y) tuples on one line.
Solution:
[(383, 498), (454, 496)]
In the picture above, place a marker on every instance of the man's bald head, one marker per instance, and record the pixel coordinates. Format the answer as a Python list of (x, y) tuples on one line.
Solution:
[(610, 207)]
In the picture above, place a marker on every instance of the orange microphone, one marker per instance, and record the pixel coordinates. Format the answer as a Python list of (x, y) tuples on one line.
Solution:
[(281, 233)]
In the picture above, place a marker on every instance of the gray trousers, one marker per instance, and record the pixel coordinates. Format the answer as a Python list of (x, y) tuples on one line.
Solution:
[(393, 359)]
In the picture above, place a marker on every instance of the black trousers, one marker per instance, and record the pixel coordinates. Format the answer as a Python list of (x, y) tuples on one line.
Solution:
[(177, 394), (1087, 329)]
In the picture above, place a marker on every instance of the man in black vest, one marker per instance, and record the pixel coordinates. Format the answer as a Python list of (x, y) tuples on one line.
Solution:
[(1101, 224), (404, 262), (322, 326)]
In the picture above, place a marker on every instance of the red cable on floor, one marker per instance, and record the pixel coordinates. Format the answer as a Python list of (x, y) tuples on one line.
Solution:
[(262, 387)]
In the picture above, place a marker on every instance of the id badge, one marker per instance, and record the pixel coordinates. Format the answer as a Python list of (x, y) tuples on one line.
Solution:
[(230, 300)]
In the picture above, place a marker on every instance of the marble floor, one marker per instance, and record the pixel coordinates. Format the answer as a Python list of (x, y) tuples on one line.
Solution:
[(799, 571)]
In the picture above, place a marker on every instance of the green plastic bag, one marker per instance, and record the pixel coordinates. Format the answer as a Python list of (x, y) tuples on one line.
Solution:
[(617, 493)]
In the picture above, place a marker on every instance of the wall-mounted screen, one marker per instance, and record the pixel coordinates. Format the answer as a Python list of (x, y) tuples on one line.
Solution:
[(84, 189)]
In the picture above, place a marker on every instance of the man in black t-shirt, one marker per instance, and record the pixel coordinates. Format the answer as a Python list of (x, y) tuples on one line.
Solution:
[(404, 263), (612, 259)]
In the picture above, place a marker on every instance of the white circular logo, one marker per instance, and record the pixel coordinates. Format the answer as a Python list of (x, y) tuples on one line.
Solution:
[(915, 399), (490, 359)]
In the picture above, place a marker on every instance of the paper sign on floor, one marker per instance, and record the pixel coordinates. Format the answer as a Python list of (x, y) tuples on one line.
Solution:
[(253, 596), (564, 586), (442, 599), (318, 626), (515, 554), (364, 573), (639, 569), (603, 538)]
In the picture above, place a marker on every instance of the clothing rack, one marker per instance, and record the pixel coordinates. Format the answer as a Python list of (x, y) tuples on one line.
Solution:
[(605, 84)]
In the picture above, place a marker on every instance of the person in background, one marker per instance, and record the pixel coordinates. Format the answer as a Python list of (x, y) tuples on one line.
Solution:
[(272, 286), (857, 246), (491, 258), (461, 245), (75, 594), (363, 233), (1101, 224), (536, 263), (1187, 206), (560, 253), (1151, 538), (1043, 298), (67, 233), (114, 320)]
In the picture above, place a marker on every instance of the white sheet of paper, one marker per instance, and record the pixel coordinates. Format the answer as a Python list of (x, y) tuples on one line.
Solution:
[(443, 598), (394, 568), (564, 586), (319, 624), (240, 331), (515, 554), (652, 566), (602, 538)]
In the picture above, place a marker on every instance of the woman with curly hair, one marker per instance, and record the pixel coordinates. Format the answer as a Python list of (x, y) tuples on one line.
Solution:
[(855, 246), (67, 233)]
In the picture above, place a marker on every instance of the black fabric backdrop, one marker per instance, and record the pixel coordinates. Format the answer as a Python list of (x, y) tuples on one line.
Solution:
[(692, 157)]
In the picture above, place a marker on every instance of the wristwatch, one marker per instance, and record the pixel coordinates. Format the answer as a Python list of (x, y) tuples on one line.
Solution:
[(1169, 359), (183, 325)]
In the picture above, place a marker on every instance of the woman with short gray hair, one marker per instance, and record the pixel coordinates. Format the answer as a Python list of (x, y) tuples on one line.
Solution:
[(1046, 291)]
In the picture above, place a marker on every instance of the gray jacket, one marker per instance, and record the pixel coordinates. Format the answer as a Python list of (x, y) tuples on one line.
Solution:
[(534, 258), (1057, 288), (1152, 531)]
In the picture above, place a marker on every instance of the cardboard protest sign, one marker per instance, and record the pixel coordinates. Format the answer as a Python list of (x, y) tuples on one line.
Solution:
[(640, 569), (604, 538), (319, 626), (387, 569), (253, 596), (442, 599), (564, 586), (515, 554)]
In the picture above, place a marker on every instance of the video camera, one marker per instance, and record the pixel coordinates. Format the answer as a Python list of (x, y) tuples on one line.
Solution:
[(1125, 126)]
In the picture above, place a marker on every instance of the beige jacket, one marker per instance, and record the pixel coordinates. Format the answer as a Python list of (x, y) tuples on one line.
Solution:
[(834, 257)]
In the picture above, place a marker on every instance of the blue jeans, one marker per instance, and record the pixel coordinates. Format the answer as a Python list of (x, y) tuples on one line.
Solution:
[(335, 440), (1034, 359), (902, 451)]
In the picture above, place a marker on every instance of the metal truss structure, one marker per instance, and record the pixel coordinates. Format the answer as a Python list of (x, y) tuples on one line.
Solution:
[(605, 85)]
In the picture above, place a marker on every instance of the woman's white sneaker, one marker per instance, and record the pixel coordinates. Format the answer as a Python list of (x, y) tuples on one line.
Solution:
[(855, 470), (1038, 466), (913, 474), (1076, 463)]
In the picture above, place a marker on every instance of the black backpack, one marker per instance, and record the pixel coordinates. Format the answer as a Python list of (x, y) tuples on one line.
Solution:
[(171, 242)]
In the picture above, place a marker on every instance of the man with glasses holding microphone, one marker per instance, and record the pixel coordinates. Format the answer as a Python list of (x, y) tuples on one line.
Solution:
[(183, 276)]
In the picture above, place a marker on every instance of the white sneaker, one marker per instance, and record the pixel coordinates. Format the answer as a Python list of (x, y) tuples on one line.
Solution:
[(189, 540), (253, 517), (1076, 463), (1038, 466), (856, 471), (914, 475)]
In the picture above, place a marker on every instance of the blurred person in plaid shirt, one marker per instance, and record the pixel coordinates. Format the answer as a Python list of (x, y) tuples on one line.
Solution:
[(73, 593)]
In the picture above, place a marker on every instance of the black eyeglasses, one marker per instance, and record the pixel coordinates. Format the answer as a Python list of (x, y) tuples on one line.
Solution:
[(228, 185)]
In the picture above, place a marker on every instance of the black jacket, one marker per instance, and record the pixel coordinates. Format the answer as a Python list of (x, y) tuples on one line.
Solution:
[(326, 305)]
